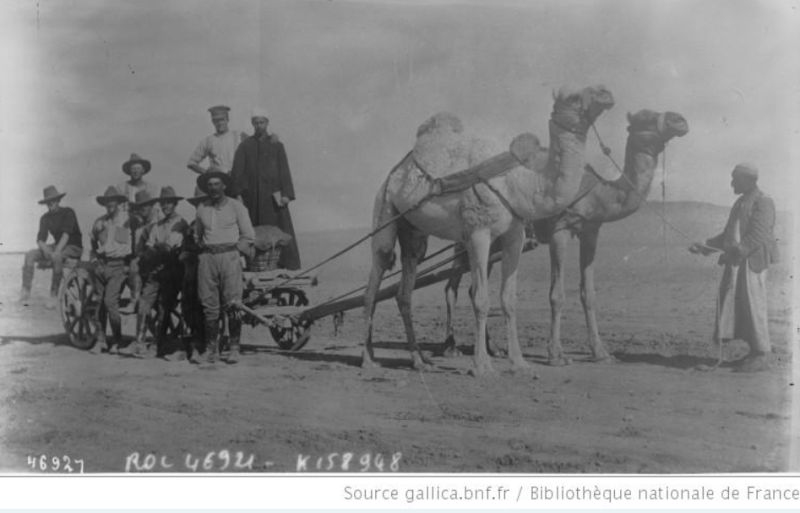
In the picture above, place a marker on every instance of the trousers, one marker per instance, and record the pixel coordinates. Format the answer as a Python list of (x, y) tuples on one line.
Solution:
[(36, 256)]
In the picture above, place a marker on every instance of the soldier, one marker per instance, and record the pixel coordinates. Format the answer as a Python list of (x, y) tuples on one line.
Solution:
[(143, 213), (161, 271), (61, 223), (223, 231), (111, 253), (191, 308)]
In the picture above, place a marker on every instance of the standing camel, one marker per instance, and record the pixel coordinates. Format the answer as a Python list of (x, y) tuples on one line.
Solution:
[(494, 209), (596, 204), (649, 132)]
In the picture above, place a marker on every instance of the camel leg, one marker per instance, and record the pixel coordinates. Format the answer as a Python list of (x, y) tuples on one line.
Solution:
[(558, 252), (451, 298), (413, 244), (588, 241), (478, 246), (382, 259), (512, 249)]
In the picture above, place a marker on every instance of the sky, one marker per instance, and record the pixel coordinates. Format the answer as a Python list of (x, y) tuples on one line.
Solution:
[(85, 83)]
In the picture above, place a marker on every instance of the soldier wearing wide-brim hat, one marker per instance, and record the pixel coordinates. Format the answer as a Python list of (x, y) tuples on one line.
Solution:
[(62, 224), (222, 230), (136, 167), (112, 246), (144, 213), (161, 271)]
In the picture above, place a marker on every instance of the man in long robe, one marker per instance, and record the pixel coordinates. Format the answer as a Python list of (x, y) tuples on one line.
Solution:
[(748, 246), (262, 178)]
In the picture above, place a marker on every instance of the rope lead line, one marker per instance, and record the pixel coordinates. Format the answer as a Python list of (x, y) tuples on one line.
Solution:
[(652, 208)]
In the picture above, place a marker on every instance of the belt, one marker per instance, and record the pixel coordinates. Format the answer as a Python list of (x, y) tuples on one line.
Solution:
[(114, 260), (216, 249)]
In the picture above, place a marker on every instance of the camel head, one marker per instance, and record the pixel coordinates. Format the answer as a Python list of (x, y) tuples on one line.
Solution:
[(659, 127), (576, 109)]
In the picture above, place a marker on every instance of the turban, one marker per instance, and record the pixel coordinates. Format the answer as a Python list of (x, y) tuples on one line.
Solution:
[(746, 170), (259, 112)]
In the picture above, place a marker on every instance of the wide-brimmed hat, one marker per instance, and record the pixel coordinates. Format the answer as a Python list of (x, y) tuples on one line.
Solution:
[(135, 159), (50, 193), (197, 198), (202, 180), (168, 194), (142, 199), (112, 194)]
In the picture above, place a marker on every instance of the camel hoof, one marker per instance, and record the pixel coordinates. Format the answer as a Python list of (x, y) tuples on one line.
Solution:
[(495, 351), (451, 352), (420, 362), (559, 362), (369, 363), (523, 369), (483, 371), (606, 359)]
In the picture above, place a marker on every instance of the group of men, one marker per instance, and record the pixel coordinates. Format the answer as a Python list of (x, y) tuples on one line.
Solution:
[(143, 239)]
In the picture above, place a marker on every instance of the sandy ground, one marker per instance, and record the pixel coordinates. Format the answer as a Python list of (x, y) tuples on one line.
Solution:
[(650, 412)]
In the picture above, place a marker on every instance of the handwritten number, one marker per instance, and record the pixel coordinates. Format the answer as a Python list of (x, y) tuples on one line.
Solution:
[(67, 465), (364, 461), (56, 463), (225, 456)]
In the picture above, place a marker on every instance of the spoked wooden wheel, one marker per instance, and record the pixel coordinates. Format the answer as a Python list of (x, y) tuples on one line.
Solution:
[(295, 333), (79, 306)]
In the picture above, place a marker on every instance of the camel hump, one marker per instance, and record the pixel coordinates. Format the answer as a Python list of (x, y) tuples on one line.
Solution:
[(525, 148), (441, 121)]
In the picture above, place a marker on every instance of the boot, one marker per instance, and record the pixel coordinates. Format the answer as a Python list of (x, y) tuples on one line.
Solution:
[(235, 327), (99, 344), (212, 333), (52, 302)]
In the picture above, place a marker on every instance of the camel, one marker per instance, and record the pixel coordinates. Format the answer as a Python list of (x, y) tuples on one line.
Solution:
[(598, 203), (494, 209), (649, 132)]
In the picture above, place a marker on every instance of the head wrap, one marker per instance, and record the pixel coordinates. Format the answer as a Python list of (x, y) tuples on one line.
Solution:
[(259, 112), (745, 169)]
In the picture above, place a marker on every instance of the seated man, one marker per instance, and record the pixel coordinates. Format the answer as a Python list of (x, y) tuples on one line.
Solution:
[(161, 271), (61, 223)]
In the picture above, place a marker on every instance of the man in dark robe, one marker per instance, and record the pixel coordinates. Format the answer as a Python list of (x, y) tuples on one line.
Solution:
[(262, 178)]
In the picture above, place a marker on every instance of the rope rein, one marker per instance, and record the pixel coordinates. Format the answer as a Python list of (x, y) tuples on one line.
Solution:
[(607, 152)]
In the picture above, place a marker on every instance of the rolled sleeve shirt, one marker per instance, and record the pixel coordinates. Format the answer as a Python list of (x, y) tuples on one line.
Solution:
[(224, 223), (219, 149), (111, 236)]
